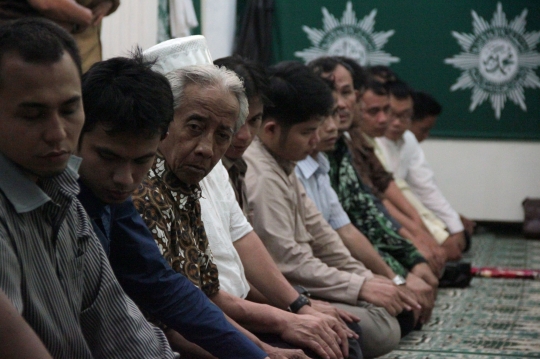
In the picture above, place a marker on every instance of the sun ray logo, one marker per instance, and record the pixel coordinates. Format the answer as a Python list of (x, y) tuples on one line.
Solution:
[(349, 37), (498, 61)]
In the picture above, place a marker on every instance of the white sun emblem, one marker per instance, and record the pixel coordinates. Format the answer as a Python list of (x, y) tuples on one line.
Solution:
[(498, 61), (349, 37)]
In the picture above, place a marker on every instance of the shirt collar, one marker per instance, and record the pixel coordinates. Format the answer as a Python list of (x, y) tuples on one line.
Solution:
[(310, 165), (24, 194), (286, 165), (92, 204), (370, 140), (239, 164), (161, 169)]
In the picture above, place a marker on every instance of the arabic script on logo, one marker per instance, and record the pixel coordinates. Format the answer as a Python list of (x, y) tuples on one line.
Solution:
[(498, 61), (349, 37)]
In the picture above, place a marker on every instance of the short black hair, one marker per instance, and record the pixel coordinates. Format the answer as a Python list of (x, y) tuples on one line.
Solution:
[(126, 95), (297, 94), (383, 72), (37, 41), (327, 64), (358, 73), (399, 89), (253, 75), (375, 86), (425, 105)]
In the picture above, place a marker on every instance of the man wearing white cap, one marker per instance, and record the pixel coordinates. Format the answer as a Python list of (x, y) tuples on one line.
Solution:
[(210, 106)]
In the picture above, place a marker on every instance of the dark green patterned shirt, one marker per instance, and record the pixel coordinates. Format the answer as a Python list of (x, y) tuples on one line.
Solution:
[(358, 202)]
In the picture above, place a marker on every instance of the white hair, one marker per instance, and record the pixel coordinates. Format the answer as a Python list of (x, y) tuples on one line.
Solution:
[(209, 75)]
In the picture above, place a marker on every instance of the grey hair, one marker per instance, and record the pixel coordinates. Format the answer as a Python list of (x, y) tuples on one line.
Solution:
[(209, 75)]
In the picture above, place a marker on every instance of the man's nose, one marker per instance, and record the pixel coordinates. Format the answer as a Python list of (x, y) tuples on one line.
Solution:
[(123, 175), (56, 129), (205, 146)]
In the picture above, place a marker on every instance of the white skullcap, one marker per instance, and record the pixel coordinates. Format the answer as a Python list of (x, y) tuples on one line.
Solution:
[(177, 53)]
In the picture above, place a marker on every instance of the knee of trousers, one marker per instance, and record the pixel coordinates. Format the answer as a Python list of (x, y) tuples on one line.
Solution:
[(380, 332)]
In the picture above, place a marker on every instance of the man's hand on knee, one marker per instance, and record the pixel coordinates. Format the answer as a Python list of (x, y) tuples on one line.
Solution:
[(382, 292), (314, 333)]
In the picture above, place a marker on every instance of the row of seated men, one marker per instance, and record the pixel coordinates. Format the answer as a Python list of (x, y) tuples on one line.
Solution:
[(242, 210)]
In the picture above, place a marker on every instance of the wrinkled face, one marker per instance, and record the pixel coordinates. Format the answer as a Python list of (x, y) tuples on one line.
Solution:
[(113, 166), (41, 114), (298, 142), (201, 132), (374, 110), (421, 128), (346, 96), (401, 112), (242, 139), (328, 131)]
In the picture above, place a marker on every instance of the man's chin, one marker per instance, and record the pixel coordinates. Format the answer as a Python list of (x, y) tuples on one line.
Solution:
[(42, 174), (191, 175), (327, 148), (345, 126)]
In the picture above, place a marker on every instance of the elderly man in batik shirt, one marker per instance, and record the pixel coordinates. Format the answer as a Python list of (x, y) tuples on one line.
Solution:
[(168, 199)]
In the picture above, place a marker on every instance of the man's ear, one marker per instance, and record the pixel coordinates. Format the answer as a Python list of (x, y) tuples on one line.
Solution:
[(358, 95), (164, 136), (269, 127)]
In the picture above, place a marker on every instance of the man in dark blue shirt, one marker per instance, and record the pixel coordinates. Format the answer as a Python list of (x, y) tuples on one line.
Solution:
[(128, 109)]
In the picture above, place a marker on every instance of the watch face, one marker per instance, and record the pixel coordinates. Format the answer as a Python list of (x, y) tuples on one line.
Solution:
[(399, 280)]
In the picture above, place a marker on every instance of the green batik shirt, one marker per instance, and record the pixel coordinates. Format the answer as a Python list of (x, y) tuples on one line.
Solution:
[(398, 252)]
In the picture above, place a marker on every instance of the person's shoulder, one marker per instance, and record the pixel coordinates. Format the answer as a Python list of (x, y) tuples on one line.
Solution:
[(215, 184), (259, 161), (218, 175), (410, 138)]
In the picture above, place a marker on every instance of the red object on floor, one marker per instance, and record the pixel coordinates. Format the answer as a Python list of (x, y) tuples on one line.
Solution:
[(497, 272)]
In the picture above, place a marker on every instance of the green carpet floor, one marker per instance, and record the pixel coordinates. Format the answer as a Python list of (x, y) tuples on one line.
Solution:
[(493, 318)]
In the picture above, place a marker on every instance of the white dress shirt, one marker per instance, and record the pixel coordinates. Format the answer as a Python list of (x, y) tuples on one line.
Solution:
[(224, 223), (406, 159)]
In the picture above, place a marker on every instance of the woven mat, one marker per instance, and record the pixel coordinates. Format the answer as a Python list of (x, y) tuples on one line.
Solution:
[(493, 318)]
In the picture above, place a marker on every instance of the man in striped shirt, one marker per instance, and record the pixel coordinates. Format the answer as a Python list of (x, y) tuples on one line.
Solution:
[(52, 266)]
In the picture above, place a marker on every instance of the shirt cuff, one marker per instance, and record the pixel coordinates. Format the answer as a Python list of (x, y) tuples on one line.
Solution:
[(355, 284), (455, 226), (339, 221)]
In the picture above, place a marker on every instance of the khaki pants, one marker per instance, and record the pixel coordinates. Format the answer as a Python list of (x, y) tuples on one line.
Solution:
[(380, 330)]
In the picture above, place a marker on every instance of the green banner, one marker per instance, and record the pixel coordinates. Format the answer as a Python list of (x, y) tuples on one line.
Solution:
[(478, 58)]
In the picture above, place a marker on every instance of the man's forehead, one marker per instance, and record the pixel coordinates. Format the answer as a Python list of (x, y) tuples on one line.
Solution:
[(341, 76), (313, 122), (30, 84), (215, 99), (404, 103), (369, 98), (104, 134)]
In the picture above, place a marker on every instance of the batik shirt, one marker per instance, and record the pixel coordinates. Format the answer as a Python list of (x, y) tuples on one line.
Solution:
[(398, 252), (172, 212)]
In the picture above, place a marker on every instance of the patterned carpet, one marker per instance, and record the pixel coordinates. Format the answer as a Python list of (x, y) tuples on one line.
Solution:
[(493, 318)]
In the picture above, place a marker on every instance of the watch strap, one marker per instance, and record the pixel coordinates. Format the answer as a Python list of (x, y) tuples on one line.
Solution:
[(302, 300)]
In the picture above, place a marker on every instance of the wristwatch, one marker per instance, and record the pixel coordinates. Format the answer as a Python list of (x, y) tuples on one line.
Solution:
[(399, 280), (302, 290), (295, 306)]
